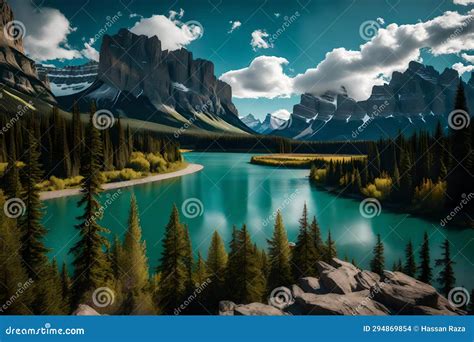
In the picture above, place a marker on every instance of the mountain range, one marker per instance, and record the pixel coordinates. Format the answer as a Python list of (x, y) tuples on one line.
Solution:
[(136, 79)]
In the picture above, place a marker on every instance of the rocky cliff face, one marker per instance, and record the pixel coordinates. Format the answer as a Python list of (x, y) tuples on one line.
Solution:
[(70, 79), (414, 99), (138, 65), (16, 70), (137, 79), (343, 289)]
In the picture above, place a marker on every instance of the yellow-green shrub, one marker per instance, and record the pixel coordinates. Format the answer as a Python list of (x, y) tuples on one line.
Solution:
[(380, 190), (429, 197)]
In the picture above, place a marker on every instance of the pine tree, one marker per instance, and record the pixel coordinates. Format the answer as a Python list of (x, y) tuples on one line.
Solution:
[(446, 276), (232, 266), (331, 251), (12, 185), (216, 267), (12, 270), (406, 177), (279, 256), (425, 268), (304, 253), (90, 262), (188, 260), (410, 264), (33, 232), (377, 265), (134, 266), (173, 265), (318, 240), (65, 289), (249, 279), (200, 272)]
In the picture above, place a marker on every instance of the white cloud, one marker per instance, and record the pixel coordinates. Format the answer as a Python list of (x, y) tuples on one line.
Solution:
[(359, 70), (47, 30), (469, 58), (90, 52), (463, 2), (277, 15), (264, 77), (381, 21), (234, 25), (135, 15), (258, 40), (461, 68), (172, 33), (281, 114)]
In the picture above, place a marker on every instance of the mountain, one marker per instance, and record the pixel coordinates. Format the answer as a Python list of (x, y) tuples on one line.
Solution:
[(137, 79), (415, 99), (270, 124), (17, 71), (70, 79), (251, 122)]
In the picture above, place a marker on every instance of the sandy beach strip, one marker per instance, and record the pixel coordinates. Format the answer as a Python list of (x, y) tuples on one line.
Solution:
[(191, 168)]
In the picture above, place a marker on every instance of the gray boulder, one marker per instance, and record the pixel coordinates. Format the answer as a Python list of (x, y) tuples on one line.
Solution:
[(402, 293), (257, 309), (366, 279), (310, 285), (355, 303), (226, 308), (337, 280)]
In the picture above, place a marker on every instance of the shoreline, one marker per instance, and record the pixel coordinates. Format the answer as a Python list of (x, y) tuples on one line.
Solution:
[(190, 169)]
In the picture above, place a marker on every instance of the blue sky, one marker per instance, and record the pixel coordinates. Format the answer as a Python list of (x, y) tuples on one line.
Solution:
[(319, 27)]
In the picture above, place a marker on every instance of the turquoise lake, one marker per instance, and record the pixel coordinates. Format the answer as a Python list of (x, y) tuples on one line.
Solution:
[(232, 191)]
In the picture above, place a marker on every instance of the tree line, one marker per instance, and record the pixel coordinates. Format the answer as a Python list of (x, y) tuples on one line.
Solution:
[(62, 143), (428, 174)]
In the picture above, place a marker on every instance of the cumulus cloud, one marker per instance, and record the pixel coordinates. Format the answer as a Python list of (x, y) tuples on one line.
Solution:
[(172, 32), (469, 58), (463, 2), (281, 114), (359, 70), (264, 77), (89, 51), (461, 68), (47, 30), (258, 40), (234, 25)]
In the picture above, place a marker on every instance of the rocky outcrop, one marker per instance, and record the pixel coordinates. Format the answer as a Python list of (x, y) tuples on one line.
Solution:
[(17, 70), (343, 289)]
